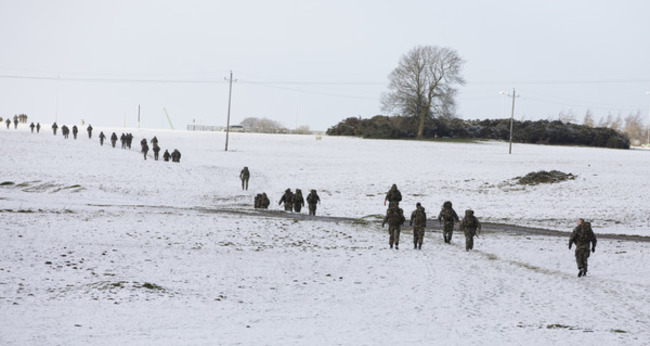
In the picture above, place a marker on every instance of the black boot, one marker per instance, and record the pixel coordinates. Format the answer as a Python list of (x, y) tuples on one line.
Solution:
[(580, 272), (396, 246), (415, 246)]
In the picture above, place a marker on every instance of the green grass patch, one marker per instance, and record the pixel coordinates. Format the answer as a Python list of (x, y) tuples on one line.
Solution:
[(559, 326), (151, 286)]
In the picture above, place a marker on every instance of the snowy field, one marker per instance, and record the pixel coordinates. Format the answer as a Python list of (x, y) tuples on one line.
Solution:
[(98, 246)]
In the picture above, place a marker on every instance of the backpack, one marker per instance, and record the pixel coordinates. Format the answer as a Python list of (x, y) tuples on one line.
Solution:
[(447, 214), (420, 217)]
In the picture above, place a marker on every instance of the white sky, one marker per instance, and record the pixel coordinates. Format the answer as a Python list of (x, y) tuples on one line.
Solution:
[(314, 62)]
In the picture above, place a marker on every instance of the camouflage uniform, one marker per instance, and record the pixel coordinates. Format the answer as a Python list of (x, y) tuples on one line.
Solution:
[(166, 155), (312, 201), (264, 201), (583, 235), (447, 217), (176, 156), (418, 222), (287, 199), (395, 218), (298, 201), (258, 199), (90, 131), (156, 150), (393, 196), (113, 139), (244, 175), (145, 148), (8, 122), (471, 227), (54, 127), (32, 126), (75, 130)]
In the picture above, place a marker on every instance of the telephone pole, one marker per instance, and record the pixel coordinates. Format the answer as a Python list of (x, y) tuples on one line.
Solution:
[(512, 115), (229, 98)]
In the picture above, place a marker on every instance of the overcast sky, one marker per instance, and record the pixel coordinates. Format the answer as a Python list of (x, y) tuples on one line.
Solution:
[(313, 62)]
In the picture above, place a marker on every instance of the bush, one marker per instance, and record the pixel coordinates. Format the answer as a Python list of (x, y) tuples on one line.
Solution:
[(534, 132)]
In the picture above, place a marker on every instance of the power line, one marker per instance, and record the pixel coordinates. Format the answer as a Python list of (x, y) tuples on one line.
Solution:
[(115, 80)]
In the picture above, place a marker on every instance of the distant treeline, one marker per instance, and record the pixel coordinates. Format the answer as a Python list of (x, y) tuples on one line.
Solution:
[(535, 132)]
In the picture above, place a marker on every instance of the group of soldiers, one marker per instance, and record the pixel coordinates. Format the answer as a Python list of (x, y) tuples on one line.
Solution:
[(470, 225), (126, 139), (295, 201), (292, 201), (16, 121), (582, 236)]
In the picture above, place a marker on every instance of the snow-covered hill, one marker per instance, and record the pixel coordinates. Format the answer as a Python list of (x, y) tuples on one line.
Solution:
[(98, 246)]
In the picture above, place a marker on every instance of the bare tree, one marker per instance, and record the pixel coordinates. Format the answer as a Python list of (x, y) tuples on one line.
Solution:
[(606, 122), (588, 121), (634, 127), (424, 84), (568, 117), (263, 125), (617, 123)]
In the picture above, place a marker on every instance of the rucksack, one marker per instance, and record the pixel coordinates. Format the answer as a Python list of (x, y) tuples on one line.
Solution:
[(420, 217)]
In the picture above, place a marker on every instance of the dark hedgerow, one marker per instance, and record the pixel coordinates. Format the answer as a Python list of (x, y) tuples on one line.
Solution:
[(533, 132)]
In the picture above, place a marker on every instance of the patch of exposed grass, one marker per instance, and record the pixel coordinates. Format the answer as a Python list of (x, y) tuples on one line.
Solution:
[(544, 177), (559, 326), (7, 183), (151, 286)]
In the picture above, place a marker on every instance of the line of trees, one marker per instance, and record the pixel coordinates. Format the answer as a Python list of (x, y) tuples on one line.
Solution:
[(535, 132)]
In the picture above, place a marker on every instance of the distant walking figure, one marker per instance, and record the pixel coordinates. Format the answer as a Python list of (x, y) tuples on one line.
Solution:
[(244, 175)]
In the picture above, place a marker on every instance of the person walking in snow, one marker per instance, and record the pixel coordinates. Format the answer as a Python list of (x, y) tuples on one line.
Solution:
[(287, 199), (471, 227), (395, 218), (166, 155), (418, 223), (176, 156), (393, 196), (447, 218), (244, 175), (298, 201), (102, 137), (312, 201), (582, 236), (156, 150), (144, 148), (113, 139)]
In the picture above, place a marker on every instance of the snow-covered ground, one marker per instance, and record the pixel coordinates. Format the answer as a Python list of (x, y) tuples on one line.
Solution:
[(98, 246)]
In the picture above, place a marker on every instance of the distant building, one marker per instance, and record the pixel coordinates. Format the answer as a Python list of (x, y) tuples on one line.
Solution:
[(235, 128)]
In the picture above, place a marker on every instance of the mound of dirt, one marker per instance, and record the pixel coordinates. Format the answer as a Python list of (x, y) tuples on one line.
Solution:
[(544, 177)]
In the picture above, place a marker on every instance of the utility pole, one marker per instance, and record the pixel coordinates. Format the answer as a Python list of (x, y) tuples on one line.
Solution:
[(229, 98), (138, 116), (512, 115), (648, 92)]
